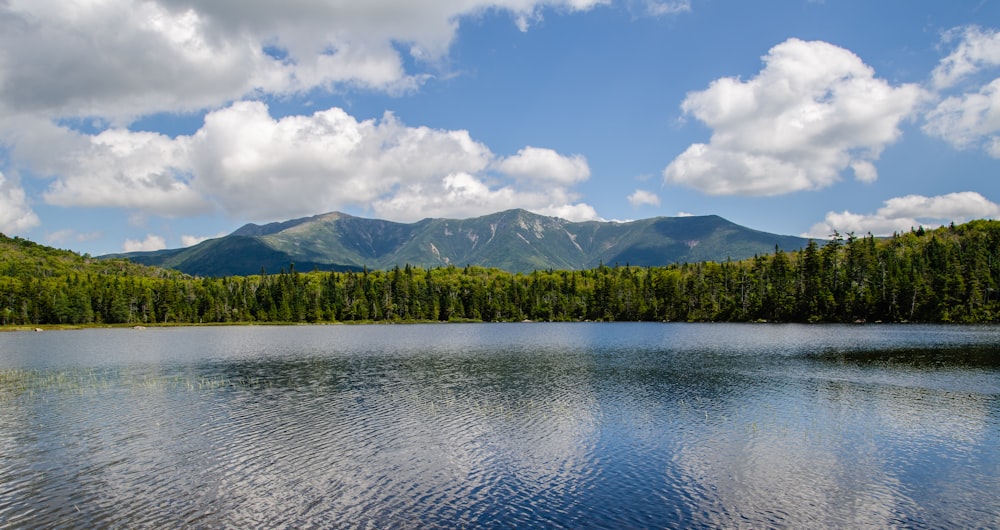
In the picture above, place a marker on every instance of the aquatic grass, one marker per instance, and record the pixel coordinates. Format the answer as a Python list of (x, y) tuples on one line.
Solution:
[(16, 383)]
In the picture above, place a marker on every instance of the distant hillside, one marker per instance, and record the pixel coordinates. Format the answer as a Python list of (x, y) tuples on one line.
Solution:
[(514, 240)]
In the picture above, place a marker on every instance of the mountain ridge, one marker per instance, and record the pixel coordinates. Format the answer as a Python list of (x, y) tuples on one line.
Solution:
[(514, 240)]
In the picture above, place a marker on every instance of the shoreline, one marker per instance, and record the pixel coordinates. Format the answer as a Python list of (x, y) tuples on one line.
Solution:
[(139, 327)]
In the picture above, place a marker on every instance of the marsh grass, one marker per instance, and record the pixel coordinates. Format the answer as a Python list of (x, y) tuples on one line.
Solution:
[(16, 383)]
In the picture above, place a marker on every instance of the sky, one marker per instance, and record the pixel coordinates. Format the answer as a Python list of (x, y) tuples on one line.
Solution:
[(146, 124)]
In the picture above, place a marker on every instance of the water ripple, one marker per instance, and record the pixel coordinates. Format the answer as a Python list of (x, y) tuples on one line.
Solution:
[(637, 428)]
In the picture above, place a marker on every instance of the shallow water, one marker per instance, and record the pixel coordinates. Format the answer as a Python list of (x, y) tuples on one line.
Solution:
[(583, 425)]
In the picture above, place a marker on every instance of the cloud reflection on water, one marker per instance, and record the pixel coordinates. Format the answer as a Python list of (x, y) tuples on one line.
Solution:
[(440, 426)]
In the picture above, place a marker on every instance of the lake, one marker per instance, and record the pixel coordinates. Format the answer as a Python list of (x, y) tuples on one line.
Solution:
[(554, 425)]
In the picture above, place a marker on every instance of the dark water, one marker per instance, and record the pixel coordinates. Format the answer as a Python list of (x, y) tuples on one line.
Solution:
[(502, 425)]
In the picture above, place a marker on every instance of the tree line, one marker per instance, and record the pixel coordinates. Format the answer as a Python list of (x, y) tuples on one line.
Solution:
[(948, 274)]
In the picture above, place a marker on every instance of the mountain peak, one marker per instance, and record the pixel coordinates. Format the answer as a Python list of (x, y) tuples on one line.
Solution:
[(516, 240), (252, 229)]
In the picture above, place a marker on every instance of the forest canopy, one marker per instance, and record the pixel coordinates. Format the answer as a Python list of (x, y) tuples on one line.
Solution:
[(949, 274)]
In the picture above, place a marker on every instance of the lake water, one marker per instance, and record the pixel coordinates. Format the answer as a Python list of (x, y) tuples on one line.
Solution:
[(577, 425)]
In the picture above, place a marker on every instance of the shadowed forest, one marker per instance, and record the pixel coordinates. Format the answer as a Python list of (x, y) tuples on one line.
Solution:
[(948, 274)]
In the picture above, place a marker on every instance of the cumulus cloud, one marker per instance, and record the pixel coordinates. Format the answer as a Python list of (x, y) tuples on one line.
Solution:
[(814, 111), (570, 212), (643, 198), (463, 195), (528, 12), (16, 216), (189, 240), (152, 242), (970, 119), (539, 164), (258, 167), (254, 166), (94, 58), (110, 63), (251, 166), (116, 168), (659, 8), (977, 49), (900, 214)]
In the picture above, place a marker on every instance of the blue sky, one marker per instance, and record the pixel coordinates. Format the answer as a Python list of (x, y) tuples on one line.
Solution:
[(138, 125)]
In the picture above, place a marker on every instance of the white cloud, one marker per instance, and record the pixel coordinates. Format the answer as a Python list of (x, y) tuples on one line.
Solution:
[(133, 57), (528, 12), (864, 171), (958, 207), (189, 240), (94, 59), (571, 212), (116, 168), (463, 195), (993, 148), (900, 214), (970, 119), (658, 8), (254, 167), (814, 111), (644, 198), (976, 49), (260, 168), (152, 242), (112, 62), (16, 216), (539, 164)]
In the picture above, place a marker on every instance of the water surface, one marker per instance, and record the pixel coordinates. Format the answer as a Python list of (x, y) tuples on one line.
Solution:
[(583, 425)]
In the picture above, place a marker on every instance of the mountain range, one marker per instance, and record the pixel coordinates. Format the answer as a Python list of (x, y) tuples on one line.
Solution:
[(513, 240)]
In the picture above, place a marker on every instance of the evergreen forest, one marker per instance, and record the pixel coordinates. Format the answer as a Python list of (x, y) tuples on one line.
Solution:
[(949, 274)]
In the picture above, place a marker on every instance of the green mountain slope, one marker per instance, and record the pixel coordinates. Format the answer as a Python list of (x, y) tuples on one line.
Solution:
[(22, 258), (513, 240)]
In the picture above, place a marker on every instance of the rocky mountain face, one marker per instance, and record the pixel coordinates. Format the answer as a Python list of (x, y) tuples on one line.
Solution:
[(513, 240)]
